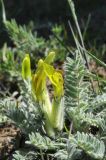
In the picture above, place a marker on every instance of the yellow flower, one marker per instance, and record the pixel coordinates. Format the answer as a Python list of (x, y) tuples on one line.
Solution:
[(26, 67), (44, 71), (55, 78), (38, 83), (58, 87)]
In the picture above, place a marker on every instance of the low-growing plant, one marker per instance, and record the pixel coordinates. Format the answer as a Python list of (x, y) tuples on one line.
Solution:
[(67, 122)]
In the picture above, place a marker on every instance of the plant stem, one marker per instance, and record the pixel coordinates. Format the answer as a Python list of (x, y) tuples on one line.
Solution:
[(41, 153)]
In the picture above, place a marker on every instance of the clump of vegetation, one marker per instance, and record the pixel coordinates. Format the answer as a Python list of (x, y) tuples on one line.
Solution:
[(59, 110)]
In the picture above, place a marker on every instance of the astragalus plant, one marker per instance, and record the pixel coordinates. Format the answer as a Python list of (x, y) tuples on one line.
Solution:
[(69, 122), (38, 84), (71, 130)]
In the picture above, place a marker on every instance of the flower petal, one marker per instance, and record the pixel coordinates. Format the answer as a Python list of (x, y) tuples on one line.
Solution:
[(58, 80), (55, 78), (50, 58), (26, 67)]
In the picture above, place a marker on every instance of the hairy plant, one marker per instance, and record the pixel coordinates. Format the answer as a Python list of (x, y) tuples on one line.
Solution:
[(73, 130)]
